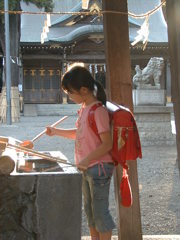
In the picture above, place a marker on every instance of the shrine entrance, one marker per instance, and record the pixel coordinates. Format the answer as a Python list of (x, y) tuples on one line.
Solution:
[(42, 85)]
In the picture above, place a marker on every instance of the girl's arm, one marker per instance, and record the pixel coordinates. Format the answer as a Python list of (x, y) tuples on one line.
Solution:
[(67, 133), (101, 150)]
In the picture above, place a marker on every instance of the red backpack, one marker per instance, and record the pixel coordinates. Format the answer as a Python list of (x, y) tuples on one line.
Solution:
[(126, 142)]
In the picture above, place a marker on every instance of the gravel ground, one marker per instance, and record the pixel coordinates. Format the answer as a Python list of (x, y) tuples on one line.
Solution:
[(158, 174)]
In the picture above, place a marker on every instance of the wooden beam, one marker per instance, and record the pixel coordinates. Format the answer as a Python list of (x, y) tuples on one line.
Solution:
[(119, 85), (173, 20), (117, 53), (68, 57)]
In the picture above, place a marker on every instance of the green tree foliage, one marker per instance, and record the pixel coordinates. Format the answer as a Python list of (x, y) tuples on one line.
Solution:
[(13, 4), (15, 31), (47, 4)]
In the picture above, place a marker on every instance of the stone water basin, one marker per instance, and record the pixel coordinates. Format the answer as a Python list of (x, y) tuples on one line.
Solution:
[(43, 203)]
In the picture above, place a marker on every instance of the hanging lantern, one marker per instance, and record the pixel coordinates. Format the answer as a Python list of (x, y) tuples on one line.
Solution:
[(46, 26), (42, 38), (90, 68), (96, 69), (48, 20), (44, 32), (85, 4)]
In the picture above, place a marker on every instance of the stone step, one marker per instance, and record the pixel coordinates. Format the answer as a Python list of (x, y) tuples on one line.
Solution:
[(30, 110)]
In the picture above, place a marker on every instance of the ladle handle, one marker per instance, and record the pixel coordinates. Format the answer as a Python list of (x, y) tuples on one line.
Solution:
[(53, 125)]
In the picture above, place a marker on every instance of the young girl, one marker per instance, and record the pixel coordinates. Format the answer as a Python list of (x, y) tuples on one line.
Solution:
[(91, 153)]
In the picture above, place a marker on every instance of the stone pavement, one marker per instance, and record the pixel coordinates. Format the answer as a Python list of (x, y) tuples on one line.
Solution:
[(158, 177)]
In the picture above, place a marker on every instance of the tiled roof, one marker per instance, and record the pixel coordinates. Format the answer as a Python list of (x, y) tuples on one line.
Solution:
[(31, 25)]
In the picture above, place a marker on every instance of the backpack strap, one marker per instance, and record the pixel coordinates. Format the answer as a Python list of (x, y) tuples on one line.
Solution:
[(91, 119)]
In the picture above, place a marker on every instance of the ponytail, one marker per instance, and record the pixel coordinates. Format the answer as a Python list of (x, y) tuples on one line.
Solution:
[(100, 95)]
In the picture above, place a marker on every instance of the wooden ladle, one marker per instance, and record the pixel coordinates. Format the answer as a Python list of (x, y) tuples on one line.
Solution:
[(29, 143)]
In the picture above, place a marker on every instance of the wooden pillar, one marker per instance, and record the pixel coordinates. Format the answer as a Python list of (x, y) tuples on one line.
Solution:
[(173, 20), (119, 87)]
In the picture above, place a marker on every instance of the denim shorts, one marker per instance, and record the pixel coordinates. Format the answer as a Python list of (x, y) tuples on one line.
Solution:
[(95, 187)]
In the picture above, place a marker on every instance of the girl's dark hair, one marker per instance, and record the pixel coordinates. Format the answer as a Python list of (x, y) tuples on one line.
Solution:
[(78, 77)]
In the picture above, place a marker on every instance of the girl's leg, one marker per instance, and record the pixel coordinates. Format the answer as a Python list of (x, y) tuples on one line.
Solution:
[(100, 201), (88, 208), (94, 234), (105, 235)]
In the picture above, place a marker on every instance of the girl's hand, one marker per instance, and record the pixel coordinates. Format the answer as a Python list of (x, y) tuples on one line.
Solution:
[(50, 131), (83, 165)]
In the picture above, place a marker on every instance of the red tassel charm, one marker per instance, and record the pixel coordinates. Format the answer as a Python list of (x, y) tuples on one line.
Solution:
[(125, 190)]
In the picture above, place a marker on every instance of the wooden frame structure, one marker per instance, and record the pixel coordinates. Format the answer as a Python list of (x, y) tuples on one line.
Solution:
[(173, 19), (120, 88)]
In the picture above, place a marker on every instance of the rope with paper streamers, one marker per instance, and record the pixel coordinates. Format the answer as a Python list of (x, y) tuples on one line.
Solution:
[(143, 33), (88, 12)]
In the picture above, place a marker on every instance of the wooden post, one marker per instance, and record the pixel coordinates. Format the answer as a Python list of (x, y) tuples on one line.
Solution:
[(119, 87), (173, 19)]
